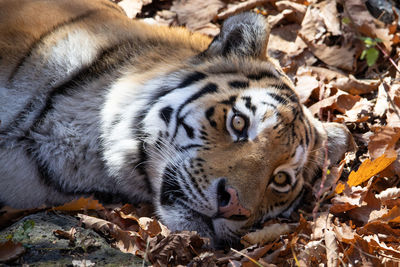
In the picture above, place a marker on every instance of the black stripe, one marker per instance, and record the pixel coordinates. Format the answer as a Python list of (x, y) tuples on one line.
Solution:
[(139, 134), (196, 186), (249, 105), (209, 113), (187, 147), (188, 80), (36, 43), (189, 130), (105, 63), (170, 188), (165, 114), (192, 78), (230, 101), (278, 98), (307, 128), (239, 84), (207, 89), (261, 75), (50, 179)]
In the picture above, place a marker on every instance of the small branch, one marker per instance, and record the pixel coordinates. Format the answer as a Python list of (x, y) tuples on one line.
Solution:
[(385, 53)]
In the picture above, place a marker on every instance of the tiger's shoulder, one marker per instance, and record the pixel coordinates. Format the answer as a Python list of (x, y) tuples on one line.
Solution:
[(24, 25)]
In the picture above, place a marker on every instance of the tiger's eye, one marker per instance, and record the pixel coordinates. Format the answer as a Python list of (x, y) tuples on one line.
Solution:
[(281, 178), (238, 123)]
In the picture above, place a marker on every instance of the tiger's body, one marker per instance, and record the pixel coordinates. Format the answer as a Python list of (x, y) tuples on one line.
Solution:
[(92, 103)]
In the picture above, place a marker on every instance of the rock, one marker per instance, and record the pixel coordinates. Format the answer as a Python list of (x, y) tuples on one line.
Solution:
[(44, 248)]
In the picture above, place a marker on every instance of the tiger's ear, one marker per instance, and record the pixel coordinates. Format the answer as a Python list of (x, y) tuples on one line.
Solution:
[(340, 141), (245, 34)]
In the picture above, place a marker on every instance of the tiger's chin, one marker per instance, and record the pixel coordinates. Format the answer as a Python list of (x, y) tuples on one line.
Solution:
[(222, 233)]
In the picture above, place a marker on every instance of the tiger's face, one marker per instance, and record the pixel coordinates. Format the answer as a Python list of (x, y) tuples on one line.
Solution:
[(239, 154), (239, 147)]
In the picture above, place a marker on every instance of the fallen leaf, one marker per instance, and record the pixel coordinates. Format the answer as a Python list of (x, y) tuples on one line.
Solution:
[(10, 251), (368, 169), (240, 7), (305, 85), (353, 198), (320, 21), (70, 235), (81, 204), (177, 248), (268, 233), (298, 10), (126, 241), (365, 23), (197, 18), (133, 7), (388, 194)]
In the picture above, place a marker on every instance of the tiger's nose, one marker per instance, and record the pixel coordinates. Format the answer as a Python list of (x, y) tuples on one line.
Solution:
[(228, 203)]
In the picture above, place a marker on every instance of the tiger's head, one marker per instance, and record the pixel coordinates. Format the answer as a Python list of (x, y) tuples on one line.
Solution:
[(236, 145)]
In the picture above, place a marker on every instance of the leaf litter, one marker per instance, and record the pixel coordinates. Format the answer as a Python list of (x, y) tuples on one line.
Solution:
[(351, 214)]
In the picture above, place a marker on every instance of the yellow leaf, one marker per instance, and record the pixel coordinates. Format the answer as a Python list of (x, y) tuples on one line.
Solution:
[(340, 187), (81, 204), (366, 170)]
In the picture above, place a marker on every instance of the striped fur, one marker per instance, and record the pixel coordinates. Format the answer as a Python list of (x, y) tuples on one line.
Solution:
[(92, 103)]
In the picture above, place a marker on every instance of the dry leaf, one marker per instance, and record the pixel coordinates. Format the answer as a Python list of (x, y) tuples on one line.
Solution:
[(365, 23), (126, 241), (320, 21), (305, 85), (81, 204), (389, 193), (268, 233), (133, 7), (368, 169), (177, 248), (240, 7), (70, 235), (10, 251), (353, 197), (298, 10), (196, 14)]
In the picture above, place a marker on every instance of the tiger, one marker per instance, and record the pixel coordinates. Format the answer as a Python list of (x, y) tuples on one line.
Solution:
[(208, 130)]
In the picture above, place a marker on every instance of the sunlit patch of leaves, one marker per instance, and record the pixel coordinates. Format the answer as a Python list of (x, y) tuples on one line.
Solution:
[(370, 53)]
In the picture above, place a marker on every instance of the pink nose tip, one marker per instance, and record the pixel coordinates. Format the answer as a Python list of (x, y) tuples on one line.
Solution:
[(229, 205)]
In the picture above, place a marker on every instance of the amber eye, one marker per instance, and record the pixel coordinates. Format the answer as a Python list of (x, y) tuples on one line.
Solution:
[(238, 123), (281, 179)]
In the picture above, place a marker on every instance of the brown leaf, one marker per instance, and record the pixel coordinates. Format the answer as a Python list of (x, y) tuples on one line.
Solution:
[(126, 241), (383, 229), (70, 235), (177, 248), (298, 10), (10, 251), (81, 204), (344, 233), (353, 197), (268, 233), (388, 194), (9, 215), (321, 20), (369, 168), (347, 83), (392, 215), (196, 14), (241, 7), (133, 7), (365, 23), (305, 84)]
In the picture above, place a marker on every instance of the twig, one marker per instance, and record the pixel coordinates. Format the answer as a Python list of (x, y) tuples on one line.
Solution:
[(385, 53), (247, 257)]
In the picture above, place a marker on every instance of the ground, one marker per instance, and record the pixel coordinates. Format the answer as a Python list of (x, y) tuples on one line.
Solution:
[(343, 58)]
